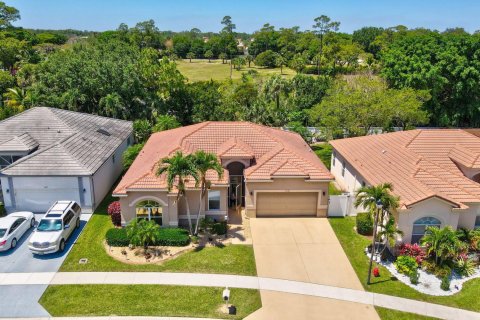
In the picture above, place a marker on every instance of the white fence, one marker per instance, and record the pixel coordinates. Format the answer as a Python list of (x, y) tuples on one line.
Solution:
[(341, 206)]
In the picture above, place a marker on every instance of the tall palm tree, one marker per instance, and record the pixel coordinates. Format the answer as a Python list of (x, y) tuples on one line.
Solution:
[(373, 197), (203, 163), (178, 169), (389, 232), (443, 244)]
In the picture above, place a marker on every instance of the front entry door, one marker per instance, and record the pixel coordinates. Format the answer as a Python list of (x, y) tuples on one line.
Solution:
[(236, 193)]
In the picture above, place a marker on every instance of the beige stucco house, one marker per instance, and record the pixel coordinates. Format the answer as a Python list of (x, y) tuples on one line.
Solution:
[(435, 172), (269, 172)]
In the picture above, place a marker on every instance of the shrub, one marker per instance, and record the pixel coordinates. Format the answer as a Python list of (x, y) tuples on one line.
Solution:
[(364, 223), (439, 270), (266, 59), (413, 250), (115, 213), (175, 237), (465, 266), (406, 264), (130, 154), (445, 285), (117, 237), (220, 228), (142, 232), (414, 276)]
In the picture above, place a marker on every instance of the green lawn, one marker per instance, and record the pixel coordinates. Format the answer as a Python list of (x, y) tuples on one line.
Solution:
[(202, 70), (389, 314), (145, 300), (231, 259), (354, 245), (324, 152)]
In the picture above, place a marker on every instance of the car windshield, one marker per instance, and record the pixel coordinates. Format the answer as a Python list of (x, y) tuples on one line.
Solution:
[(2, 232), (50, 225)]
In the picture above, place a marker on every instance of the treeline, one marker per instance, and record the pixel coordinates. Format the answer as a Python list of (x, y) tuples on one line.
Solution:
[(345, 83)]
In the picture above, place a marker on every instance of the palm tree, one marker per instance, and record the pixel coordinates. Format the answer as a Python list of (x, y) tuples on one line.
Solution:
[(443, 244), (204, 162), (378, 199), (17, 99), (274, 87), (390, 232), (142, 232), (178, 169), (369, 196)]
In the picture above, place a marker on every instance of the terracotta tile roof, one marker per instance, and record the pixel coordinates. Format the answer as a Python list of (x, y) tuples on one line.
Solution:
[(419, 163), (274, 153)]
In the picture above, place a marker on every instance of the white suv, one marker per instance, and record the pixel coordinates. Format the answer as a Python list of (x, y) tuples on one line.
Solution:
[(55, 228)]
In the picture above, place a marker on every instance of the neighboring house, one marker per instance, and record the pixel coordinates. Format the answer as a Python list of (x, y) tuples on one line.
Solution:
[(273, 173), (435, 172), (49, 154)]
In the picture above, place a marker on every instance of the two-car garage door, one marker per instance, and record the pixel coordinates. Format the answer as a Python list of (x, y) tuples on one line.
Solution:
[(287, 204)]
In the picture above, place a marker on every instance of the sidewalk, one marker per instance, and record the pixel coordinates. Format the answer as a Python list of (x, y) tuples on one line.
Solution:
[(259, 283)]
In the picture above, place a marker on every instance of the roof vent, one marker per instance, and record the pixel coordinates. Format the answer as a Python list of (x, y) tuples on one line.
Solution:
[(384, 151), (103, 131)]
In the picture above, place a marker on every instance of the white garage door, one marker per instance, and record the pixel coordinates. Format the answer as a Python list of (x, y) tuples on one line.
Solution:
[(287, 204), (38, 194)]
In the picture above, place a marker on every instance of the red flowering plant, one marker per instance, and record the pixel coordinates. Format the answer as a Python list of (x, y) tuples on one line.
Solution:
[(413, 250), (115, 213), (376, 272)]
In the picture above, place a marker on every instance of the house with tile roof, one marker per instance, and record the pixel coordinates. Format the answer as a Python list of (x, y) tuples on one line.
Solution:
[(49, 154), (268, 171), (435, 172)]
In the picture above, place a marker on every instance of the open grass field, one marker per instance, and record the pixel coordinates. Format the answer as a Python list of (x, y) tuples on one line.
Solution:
[(202, 70), (354, 245), (146, 300), (231, 259)]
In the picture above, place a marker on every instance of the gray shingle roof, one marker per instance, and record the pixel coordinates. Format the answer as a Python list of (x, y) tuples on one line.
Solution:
[(21, 143), (69, 143)]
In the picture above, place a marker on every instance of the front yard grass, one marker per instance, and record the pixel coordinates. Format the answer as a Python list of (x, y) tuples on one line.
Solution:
[(389, 314), (231, 259), (146, 300), (354, 245)]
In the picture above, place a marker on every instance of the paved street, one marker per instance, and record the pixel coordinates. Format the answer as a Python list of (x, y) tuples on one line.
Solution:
[(21, 300)]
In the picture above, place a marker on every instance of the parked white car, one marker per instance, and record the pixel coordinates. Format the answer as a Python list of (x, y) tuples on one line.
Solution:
[(13, 227), (55, 228)]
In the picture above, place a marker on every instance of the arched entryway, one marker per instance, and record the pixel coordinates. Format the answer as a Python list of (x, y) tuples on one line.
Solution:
[(236, 194)]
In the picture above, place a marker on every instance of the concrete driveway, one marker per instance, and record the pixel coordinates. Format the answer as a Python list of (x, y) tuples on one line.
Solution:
[(22, 301), (307, 250)]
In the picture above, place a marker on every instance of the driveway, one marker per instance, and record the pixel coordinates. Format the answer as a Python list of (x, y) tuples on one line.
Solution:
[(307, 250), (22, 301)]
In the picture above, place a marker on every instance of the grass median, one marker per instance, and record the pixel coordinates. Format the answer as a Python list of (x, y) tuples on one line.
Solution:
[(146, 300)]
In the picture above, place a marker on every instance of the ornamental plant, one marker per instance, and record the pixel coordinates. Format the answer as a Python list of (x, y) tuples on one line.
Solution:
[(376, 272), (406, 264), (413, 250), (115, 213)]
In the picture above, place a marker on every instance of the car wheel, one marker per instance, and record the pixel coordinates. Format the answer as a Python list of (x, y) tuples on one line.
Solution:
[(77, 225), (62, 246), (14, 243), (32, 223)]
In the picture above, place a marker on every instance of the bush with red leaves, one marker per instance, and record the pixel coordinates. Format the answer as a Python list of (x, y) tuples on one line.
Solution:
[(413, 250), (115, 213)]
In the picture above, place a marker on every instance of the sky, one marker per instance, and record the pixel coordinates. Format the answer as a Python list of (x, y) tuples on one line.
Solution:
[(248, 15)]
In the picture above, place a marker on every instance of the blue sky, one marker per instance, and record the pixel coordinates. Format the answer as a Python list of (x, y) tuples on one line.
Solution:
[(248, 15)]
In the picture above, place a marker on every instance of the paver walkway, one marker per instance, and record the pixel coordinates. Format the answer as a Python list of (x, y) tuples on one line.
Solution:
[(335, 295), (306, 250)]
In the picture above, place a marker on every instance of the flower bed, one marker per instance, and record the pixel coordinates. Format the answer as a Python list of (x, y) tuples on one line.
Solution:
[(427, 283)]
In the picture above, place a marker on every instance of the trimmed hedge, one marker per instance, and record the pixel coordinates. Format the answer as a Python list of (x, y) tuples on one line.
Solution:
[(117, 237), (364, 223), (175, 237)]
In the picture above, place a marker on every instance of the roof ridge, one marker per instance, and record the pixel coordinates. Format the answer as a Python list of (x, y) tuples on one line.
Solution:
[(414, 137), (200, 126), (264, 159), (288, 161), (83, 113)]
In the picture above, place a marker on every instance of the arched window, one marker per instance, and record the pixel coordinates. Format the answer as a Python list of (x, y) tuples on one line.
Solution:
[(149, 210), (420, 226)]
